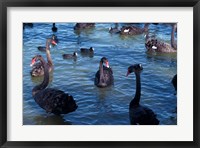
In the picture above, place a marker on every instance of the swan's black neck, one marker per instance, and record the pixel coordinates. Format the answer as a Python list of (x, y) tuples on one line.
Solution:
[(136, 99), (45, 81), (172, 36), (49, 60), (101, 71), (146, 26)]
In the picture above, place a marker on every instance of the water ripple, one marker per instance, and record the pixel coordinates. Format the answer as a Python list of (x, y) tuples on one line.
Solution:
[(96, 106)]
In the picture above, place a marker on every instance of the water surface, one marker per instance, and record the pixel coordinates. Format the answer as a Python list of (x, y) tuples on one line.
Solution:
[(100, 106)]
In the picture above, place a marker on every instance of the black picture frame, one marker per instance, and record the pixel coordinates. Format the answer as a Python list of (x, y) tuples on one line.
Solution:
[(100, 3)]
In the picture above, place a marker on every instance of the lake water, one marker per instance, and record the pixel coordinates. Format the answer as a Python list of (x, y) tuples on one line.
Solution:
[(100, 106)]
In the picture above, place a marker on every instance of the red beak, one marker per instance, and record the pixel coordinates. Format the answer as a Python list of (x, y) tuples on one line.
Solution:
[(53, 42), (127, 73), (107, 64), (32, 62)]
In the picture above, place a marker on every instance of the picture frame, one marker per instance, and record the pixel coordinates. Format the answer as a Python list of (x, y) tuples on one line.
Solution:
[(195, 4)]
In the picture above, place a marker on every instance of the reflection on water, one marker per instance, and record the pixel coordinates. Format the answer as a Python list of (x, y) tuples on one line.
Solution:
[(46, 119), (50, 120), (100, 106)]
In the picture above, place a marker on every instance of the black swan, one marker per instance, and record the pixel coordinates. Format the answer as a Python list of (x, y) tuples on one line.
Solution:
[(54, 41), (104, 76), (133, 30), (174, 82), (154, 45), (70, 56), (139, 114), (87, 50), (51, 100), (79, 26), (115, 29), (38, 69), (54, 28)]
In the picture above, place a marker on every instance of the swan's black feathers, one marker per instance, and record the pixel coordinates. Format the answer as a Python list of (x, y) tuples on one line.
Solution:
[(139, 114), (142, 116), (108, 77), (50, 99), (160, 46), (55, 101), (154, 45), (133, 30)]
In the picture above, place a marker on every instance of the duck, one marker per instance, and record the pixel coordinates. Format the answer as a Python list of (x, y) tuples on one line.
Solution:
[(154, 45), (104, 76), (79, 26), (50, 99), (37, 69), (54, 28), (70, 56), (87, 50), (138, 114), (114, 30), (54, 41), (133, 30)]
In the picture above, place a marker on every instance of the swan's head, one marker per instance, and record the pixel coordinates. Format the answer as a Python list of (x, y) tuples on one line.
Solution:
[(104, 60), (35, 59), (53, 40), (137, 68)]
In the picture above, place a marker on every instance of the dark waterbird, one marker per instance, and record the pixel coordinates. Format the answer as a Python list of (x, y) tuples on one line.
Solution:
[(80, 26), (104, 76), (70, 56), (155, 45), (51, 100), (87, 50), (139, 114), (114, 30), (133, 30), (54, 28)]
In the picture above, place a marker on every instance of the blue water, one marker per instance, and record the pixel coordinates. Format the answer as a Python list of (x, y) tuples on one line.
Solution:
[(100, 106)]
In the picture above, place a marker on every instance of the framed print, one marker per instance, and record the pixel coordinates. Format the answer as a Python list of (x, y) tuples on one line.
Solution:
[(91, 74)]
